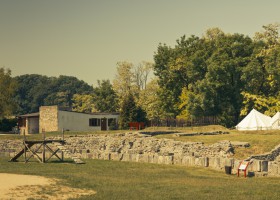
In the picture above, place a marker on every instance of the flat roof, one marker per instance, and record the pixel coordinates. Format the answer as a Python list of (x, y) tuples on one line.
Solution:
[(30, 115)]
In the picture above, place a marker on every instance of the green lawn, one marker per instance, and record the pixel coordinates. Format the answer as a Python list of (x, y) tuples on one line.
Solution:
[(126, 180)]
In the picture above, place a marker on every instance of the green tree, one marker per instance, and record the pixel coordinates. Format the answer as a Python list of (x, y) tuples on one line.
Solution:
[(150, 102), (62, 89), (128, 111), (37, 90), (83, 103), (210, 70), (31, 92), (7, 90), (123, 82), (104, 97)]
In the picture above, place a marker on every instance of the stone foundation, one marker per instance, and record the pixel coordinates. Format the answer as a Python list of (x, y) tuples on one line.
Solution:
[(142, 148)]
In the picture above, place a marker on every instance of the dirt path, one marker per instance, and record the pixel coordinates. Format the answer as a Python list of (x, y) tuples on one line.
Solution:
[(22, 187)]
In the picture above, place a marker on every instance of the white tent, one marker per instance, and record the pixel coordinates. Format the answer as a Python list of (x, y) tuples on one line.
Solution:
[(275, 121), (255, 121)]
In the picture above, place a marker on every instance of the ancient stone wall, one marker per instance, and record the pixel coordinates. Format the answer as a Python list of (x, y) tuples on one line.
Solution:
[(142, 148)]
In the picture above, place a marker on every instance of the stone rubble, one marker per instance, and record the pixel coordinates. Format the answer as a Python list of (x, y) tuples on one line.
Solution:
[(139, 147)]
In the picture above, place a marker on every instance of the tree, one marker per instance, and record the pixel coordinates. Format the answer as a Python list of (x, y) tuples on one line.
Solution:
[(209, 69), (104, 97), (37, 90), (267, 105), (63, 88), (128, 111), (150, 102), (83, 103), (31, 92), (123, 81), (141, 74), (7, 90)]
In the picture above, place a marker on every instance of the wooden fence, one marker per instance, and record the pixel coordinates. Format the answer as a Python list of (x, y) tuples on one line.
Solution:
[(197, 121)]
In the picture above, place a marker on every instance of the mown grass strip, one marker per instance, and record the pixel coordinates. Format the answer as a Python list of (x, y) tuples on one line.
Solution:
[(126, 180)]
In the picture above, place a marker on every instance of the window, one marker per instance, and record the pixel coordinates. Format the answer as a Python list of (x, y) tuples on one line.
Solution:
[(94, 122)]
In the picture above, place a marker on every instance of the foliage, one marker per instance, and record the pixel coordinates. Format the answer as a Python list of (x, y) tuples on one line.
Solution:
[(83, 103), (36, 90), (123, 82), (128, 111), (150, 102), (7, 124), (207, 76), (104, 97), (266, 105), (7, 90)]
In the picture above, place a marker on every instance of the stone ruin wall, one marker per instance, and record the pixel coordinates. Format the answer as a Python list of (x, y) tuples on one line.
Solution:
[(142, 148)]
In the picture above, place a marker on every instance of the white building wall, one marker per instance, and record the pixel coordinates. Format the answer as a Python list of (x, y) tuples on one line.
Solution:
[(74, 121)]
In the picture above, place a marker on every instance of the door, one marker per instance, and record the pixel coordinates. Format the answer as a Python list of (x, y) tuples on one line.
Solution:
[(104, 124)]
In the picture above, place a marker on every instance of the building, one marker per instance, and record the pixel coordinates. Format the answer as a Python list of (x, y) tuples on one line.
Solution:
[(54, 118)]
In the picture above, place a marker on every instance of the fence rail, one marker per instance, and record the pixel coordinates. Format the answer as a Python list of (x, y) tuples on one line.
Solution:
[(198, 121)]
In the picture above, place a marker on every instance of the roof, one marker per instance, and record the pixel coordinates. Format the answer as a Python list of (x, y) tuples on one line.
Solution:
[(30, 115)]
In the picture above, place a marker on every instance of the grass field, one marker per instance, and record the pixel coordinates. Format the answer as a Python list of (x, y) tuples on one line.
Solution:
[(126, 180)]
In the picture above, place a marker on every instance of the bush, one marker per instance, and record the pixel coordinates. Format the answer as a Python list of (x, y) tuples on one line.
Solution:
[(7, 125)]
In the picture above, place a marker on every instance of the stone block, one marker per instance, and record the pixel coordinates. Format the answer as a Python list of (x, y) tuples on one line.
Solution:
[(264, 166), (155, 158), (216, 163), (272, 169), (144, 158), (168, 160), (256, 165), (160, 159), (177, 159), (116, 156), (125, 157), (89, 155)]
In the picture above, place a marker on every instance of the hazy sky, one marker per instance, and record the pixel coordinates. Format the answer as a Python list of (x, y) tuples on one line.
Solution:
[(86, 38)]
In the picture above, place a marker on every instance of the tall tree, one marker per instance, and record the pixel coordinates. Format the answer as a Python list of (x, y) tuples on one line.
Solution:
[(7, 90), (150, 102), (123, 81), (141, 74), (128, 111), (104, 97)]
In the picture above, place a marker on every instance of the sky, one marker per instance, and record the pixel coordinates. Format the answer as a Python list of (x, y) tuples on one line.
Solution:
[(86, 38)]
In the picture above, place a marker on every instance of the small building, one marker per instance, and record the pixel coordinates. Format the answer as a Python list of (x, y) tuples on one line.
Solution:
[(29, 123), (54, 118)]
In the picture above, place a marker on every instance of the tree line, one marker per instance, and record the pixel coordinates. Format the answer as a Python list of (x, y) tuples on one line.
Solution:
[(218, 74)]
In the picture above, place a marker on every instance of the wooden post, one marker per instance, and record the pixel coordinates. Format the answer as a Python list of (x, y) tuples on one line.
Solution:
[(24, 139), (44, 147), (62, 154)]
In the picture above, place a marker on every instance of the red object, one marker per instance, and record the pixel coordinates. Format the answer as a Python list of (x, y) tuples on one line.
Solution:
[(243, 167), (136, 125)]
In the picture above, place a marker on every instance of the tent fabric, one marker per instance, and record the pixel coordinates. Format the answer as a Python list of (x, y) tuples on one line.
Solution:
[(275, 121), (255, 121)]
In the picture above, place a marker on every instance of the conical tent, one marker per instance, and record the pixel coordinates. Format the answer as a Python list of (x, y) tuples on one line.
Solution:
[(255, 121), (275, 121)]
